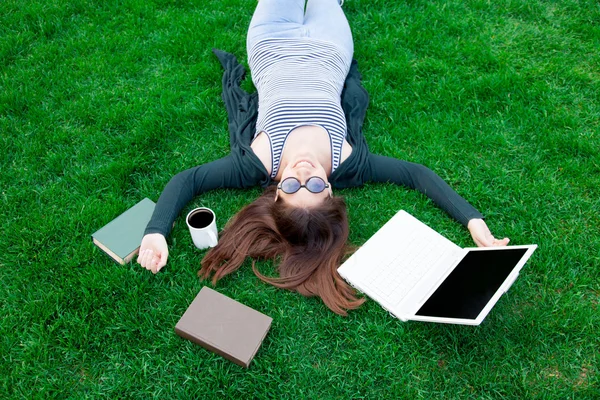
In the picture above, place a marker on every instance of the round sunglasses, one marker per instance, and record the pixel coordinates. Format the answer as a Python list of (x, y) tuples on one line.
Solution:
[(291, 185)]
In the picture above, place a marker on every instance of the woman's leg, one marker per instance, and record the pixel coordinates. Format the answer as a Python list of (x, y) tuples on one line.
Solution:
[(326, 20), (276, 19)]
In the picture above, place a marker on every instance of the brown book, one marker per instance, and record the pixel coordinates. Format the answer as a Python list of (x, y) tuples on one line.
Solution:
[(224, 326)]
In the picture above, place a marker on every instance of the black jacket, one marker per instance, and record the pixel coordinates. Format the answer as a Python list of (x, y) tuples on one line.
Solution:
[(242, 168)]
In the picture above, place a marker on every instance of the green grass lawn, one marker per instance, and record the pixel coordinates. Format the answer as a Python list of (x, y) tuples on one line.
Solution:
[(101, 102)]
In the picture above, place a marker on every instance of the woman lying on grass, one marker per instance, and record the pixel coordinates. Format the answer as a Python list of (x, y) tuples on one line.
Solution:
[(306, 140)]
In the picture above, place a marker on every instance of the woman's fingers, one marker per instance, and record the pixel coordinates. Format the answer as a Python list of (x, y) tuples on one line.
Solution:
[(153, 252), (146, 258), (486, 242), (139, 257), (163, 260), (154, 264), (501, 242), (152, 261), (483, 239)]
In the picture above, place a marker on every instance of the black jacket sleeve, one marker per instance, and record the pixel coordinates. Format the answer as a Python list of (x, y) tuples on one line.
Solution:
[(421, 178), (240, 169), (183, 187)]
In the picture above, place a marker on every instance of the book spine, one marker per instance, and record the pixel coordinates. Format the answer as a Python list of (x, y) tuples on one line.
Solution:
[(109, 253), (210, 347)]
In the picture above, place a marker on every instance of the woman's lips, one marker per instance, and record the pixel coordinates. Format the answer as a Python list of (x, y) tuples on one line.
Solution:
[(303, 163)]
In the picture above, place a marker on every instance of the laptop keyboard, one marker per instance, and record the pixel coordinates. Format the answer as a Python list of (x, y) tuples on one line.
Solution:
[(403, 264)]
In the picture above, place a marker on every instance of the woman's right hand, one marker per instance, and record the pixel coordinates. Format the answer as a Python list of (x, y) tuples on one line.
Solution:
[(482, 236), (153, 252)]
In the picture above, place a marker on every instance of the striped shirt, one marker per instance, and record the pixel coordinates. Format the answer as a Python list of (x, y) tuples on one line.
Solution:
[(299, 82)]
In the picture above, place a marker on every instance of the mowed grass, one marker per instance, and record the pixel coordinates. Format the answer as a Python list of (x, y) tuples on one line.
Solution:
[(102, 102)]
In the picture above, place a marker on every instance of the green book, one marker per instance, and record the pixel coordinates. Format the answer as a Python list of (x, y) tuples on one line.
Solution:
[(121, 237)]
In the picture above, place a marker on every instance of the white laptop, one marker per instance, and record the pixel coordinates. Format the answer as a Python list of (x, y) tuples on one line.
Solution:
[(417, 274)]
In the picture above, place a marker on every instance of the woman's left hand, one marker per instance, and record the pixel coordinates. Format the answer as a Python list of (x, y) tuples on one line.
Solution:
[(482, 236)]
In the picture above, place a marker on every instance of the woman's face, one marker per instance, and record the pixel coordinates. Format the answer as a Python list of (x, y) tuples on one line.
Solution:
[(302, 168)]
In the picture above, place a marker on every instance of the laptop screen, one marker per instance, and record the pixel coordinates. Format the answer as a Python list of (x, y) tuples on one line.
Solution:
[(471, 285)]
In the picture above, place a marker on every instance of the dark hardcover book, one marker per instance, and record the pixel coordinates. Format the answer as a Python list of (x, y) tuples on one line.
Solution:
[(224, 326), (121, 237)]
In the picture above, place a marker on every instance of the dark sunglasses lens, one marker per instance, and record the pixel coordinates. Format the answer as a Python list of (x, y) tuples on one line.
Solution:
[(290, 185), (315, 185)]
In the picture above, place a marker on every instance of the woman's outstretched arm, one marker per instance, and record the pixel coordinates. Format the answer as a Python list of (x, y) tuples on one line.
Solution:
[(186, 185), (181, 189), (421, 178)]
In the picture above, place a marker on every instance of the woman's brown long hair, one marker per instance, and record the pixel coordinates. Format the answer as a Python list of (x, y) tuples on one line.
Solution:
[(310, 243)]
